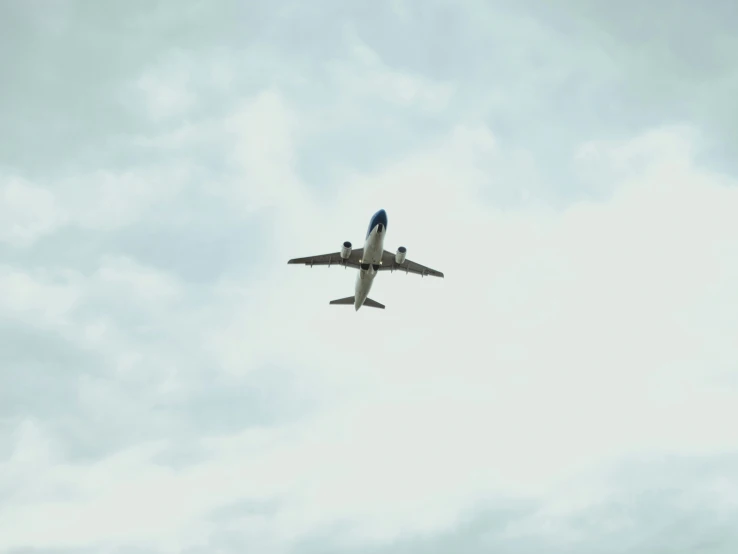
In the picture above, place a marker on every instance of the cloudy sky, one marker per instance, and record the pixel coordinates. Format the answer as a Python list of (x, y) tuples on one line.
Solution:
[(168, 384)]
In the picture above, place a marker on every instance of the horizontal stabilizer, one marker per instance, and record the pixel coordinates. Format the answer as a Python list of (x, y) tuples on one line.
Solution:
[(350, 301), (373, 304)]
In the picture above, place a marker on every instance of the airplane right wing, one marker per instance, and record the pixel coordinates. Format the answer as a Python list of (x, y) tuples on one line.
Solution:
[(408, 266), (331, 259)]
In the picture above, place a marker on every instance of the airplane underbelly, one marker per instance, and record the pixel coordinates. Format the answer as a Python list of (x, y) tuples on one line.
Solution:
[(373, 250), (364, 281), (373, 257)]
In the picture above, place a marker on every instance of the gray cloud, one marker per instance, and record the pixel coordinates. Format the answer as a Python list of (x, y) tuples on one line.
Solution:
[(540, 77), (38, 371)]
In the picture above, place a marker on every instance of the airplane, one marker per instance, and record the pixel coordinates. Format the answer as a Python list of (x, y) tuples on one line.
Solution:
[(369, 260)]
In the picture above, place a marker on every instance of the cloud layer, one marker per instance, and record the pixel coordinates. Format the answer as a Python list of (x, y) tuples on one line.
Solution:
[(169, 384)]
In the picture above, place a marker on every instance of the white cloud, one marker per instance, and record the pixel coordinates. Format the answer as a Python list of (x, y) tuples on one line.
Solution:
[(256, 139), (26, 211), (142, 282), (46, 301), (166, 89), (176, 83), (559, 341), (367, 75), (263, 132), (101, 200)]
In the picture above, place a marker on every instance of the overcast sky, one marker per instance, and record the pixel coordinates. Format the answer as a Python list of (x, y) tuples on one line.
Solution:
[(168, 384)]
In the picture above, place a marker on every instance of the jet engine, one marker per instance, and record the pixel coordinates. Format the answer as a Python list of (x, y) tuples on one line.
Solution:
[(400, 256), (346, 250)]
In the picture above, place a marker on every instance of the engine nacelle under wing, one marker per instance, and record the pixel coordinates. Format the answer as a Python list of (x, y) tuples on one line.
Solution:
[(400, 255), (346, 250)]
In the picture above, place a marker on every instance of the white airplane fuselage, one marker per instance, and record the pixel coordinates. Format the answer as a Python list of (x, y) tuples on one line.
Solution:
[(372, 256)]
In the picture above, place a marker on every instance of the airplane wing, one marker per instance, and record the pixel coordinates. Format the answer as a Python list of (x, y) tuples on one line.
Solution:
[(389, 264), (331, 259)]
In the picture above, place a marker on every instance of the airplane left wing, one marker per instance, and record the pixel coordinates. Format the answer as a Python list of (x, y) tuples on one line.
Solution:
[(390, 264), (331, 259)]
